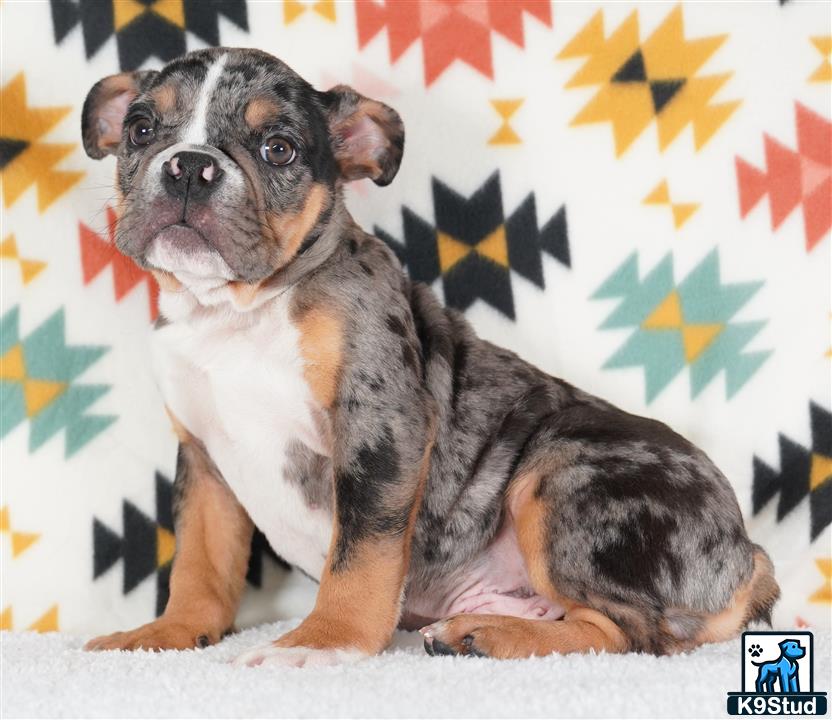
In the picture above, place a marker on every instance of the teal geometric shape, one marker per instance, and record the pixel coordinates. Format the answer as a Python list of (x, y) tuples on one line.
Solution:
[(703, 299), (48, 357)]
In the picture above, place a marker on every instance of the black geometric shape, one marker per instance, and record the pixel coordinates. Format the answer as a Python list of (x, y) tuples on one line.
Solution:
[(821, 421), (162, 588), (10, 149), (65, 16), (149, 35), (139, 546), (793, 481), (201, 17), (820, 508), (554, 237), (469, 221), (663, 91), (106, 548), (164, 502), (632, 70)]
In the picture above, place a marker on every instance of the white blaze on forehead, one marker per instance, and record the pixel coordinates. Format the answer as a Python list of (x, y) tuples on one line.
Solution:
[(197, 131)]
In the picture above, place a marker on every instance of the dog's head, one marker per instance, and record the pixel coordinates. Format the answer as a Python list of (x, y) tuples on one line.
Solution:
[(792, 649), (229, 163)]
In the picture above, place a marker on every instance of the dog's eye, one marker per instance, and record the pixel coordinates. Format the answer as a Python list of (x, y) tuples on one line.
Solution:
[(141, 132), (277, 151)]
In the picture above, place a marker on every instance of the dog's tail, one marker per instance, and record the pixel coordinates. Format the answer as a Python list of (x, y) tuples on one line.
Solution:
[(764, 590)]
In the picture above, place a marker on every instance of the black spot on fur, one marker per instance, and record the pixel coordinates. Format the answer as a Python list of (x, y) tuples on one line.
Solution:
[(395, 325)]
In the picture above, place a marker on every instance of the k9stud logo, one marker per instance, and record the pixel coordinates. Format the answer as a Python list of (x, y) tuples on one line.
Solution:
[(777, 676)]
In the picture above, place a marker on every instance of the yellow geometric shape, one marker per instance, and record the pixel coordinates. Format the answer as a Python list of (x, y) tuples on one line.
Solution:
[(165, 546), (824, 593), (823, 73), (505, 135), (494, 246), (28, 268), (12, 365), (20, 122), (21, 541), (821, 470), (451, 251), (682, 213), (668, 55), (126, 11), (6, 619), (667, 315), (660, 195), (40, 393), (292, 10), (48, 622), (326, 9), (172, 10), (696, 339), (5, 525)]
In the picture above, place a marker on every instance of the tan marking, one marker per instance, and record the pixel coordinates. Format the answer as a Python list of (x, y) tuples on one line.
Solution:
[(291, 229), (164, 97), (244, 293), (504, 637), (321, 343), (167, 281), (213, 538), (260, 111), (760, 592), (178, 428), (359, 607)]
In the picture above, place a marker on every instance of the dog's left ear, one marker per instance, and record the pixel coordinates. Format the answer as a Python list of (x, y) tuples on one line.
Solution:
[(367, 135), (104, 110)]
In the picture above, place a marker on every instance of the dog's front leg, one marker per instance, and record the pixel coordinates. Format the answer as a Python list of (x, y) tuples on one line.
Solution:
[(213, 541), (378, 485)]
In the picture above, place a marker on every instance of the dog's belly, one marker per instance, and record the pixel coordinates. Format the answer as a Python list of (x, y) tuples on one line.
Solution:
[(496, 582), (241, 391)]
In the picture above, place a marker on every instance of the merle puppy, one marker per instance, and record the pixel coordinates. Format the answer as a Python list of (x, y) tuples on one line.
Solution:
[(322, 396)]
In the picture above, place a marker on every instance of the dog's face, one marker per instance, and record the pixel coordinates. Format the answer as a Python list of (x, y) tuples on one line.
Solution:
[(792, 649), (229, 163)]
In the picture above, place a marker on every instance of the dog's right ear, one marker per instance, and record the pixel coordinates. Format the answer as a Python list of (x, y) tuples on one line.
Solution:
[(104, 110)]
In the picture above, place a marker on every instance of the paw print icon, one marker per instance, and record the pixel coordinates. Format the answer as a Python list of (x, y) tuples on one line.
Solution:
[(755, 650)]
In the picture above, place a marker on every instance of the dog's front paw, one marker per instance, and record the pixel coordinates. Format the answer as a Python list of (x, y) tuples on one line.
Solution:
[(297, 656), (159, 635)]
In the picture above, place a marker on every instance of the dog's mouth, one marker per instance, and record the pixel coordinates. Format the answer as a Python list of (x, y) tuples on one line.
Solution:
[(181, 249)]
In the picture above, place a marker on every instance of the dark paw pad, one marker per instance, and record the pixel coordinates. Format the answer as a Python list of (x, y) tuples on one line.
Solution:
[(203, 641), (470, 648)]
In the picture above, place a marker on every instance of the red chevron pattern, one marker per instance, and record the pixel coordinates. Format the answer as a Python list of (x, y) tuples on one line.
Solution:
[(97, 253), (792, 179), (450, 29)]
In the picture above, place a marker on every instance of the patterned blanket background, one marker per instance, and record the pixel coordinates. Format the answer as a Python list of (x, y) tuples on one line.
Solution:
[(636, 197)]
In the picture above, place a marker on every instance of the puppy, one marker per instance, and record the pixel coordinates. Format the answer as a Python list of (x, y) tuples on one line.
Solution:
[(426, 478)]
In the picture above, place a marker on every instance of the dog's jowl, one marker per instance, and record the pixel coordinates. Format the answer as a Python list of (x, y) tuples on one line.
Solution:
[(321, 395)]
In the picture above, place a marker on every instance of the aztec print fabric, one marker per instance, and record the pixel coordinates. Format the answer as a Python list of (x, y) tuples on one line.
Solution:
[(635, 197)]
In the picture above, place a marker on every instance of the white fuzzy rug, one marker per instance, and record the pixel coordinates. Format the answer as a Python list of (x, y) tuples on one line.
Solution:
[(49, 676)]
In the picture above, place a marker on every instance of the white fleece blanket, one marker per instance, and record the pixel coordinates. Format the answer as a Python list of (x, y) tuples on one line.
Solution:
[(50, 676)]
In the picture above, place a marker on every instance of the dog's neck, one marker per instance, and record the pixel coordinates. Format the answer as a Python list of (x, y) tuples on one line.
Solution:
[(183, 295)]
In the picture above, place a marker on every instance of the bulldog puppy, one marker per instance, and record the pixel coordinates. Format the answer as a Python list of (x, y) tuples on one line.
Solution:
[(426, 478)]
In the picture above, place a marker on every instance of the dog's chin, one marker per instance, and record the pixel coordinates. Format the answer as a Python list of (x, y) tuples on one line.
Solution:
[(184, 252)]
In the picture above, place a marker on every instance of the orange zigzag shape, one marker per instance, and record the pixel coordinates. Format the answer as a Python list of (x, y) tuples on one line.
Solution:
[(792, 179), (97, 253)]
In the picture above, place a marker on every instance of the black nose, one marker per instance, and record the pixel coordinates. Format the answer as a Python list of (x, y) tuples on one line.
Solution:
[(191, 174)]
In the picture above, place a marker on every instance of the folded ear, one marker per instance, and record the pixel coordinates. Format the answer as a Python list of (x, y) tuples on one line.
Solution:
[(367, 136), (105, 108)]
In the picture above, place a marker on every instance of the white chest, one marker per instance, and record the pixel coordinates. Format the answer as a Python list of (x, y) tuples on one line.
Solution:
[(236, 383)]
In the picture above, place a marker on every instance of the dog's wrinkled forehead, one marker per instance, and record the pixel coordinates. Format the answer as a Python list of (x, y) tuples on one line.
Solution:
[(215, 95)]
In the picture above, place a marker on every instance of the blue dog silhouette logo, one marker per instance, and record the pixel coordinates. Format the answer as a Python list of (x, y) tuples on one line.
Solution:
[(782, 674), (777, 675)]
